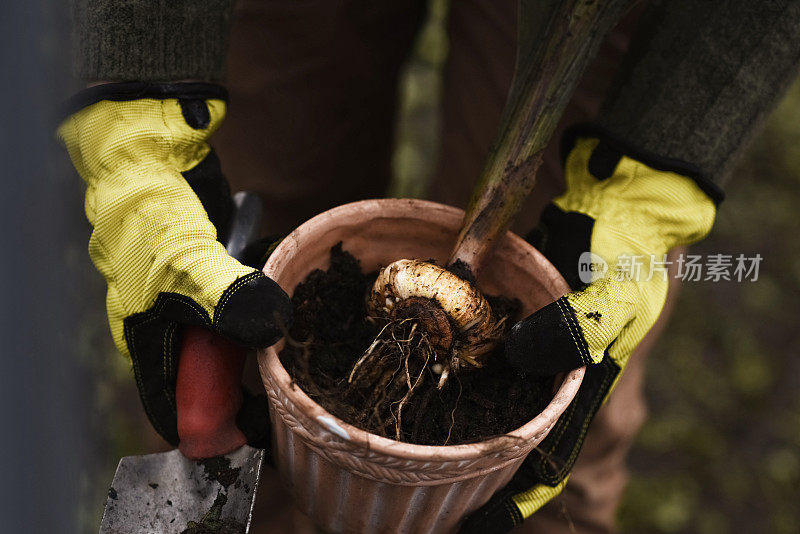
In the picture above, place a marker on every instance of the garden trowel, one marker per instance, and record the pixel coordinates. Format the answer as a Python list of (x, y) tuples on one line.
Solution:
[(192, 490)]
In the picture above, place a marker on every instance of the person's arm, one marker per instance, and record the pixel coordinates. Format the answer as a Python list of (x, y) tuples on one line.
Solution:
[(150, 40), (645, 178), (156, 196), (700, 77)]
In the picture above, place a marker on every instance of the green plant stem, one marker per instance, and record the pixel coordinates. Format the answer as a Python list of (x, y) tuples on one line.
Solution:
[(557, 39)]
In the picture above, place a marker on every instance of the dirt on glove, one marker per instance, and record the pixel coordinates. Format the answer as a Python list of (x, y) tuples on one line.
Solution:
[(332, 330)]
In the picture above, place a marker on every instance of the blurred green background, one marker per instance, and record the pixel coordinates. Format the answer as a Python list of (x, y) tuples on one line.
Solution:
[(721, 449)]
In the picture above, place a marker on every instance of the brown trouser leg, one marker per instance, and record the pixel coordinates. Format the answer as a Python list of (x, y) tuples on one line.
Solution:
[(313, 90), (590, 500), (477, 77)]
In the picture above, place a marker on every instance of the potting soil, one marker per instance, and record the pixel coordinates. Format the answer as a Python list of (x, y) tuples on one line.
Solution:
[(331, 331)]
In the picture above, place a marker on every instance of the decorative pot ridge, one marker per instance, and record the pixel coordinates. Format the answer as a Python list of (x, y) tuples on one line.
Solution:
[(323, 458), (380, 459)]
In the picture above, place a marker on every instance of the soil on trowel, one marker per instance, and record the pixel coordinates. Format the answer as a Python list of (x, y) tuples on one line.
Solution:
[(212, 521), (219, 469), (331, 331)]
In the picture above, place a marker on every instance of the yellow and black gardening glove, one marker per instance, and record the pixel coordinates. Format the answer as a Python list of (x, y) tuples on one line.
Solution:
[(160, 206), (608, 235)]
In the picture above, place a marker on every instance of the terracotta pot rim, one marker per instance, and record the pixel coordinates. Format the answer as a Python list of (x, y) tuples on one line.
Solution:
[(377, 444)]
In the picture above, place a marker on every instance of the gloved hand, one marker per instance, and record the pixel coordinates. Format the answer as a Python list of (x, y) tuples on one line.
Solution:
[(160, 206), (624, 207)]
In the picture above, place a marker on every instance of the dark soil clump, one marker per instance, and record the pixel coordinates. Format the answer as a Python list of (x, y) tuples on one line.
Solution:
[(219, 469), (212, 521), (331, 331)]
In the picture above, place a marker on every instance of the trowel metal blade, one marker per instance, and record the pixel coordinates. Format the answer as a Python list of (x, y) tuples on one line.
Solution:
[(167, 493)]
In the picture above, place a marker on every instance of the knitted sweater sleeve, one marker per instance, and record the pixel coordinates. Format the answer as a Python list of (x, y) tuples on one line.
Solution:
[(150, 40), (700, 77)]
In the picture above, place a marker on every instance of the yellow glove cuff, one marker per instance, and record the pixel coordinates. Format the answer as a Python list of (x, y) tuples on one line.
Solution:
[(151, 233), (530, 501), (639, 214), (654, 210)]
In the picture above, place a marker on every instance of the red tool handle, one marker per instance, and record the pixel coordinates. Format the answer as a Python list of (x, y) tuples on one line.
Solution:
[(208, 394)]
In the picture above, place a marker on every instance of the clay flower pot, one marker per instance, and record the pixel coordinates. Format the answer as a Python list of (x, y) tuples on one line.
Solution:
[(349, 480)]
